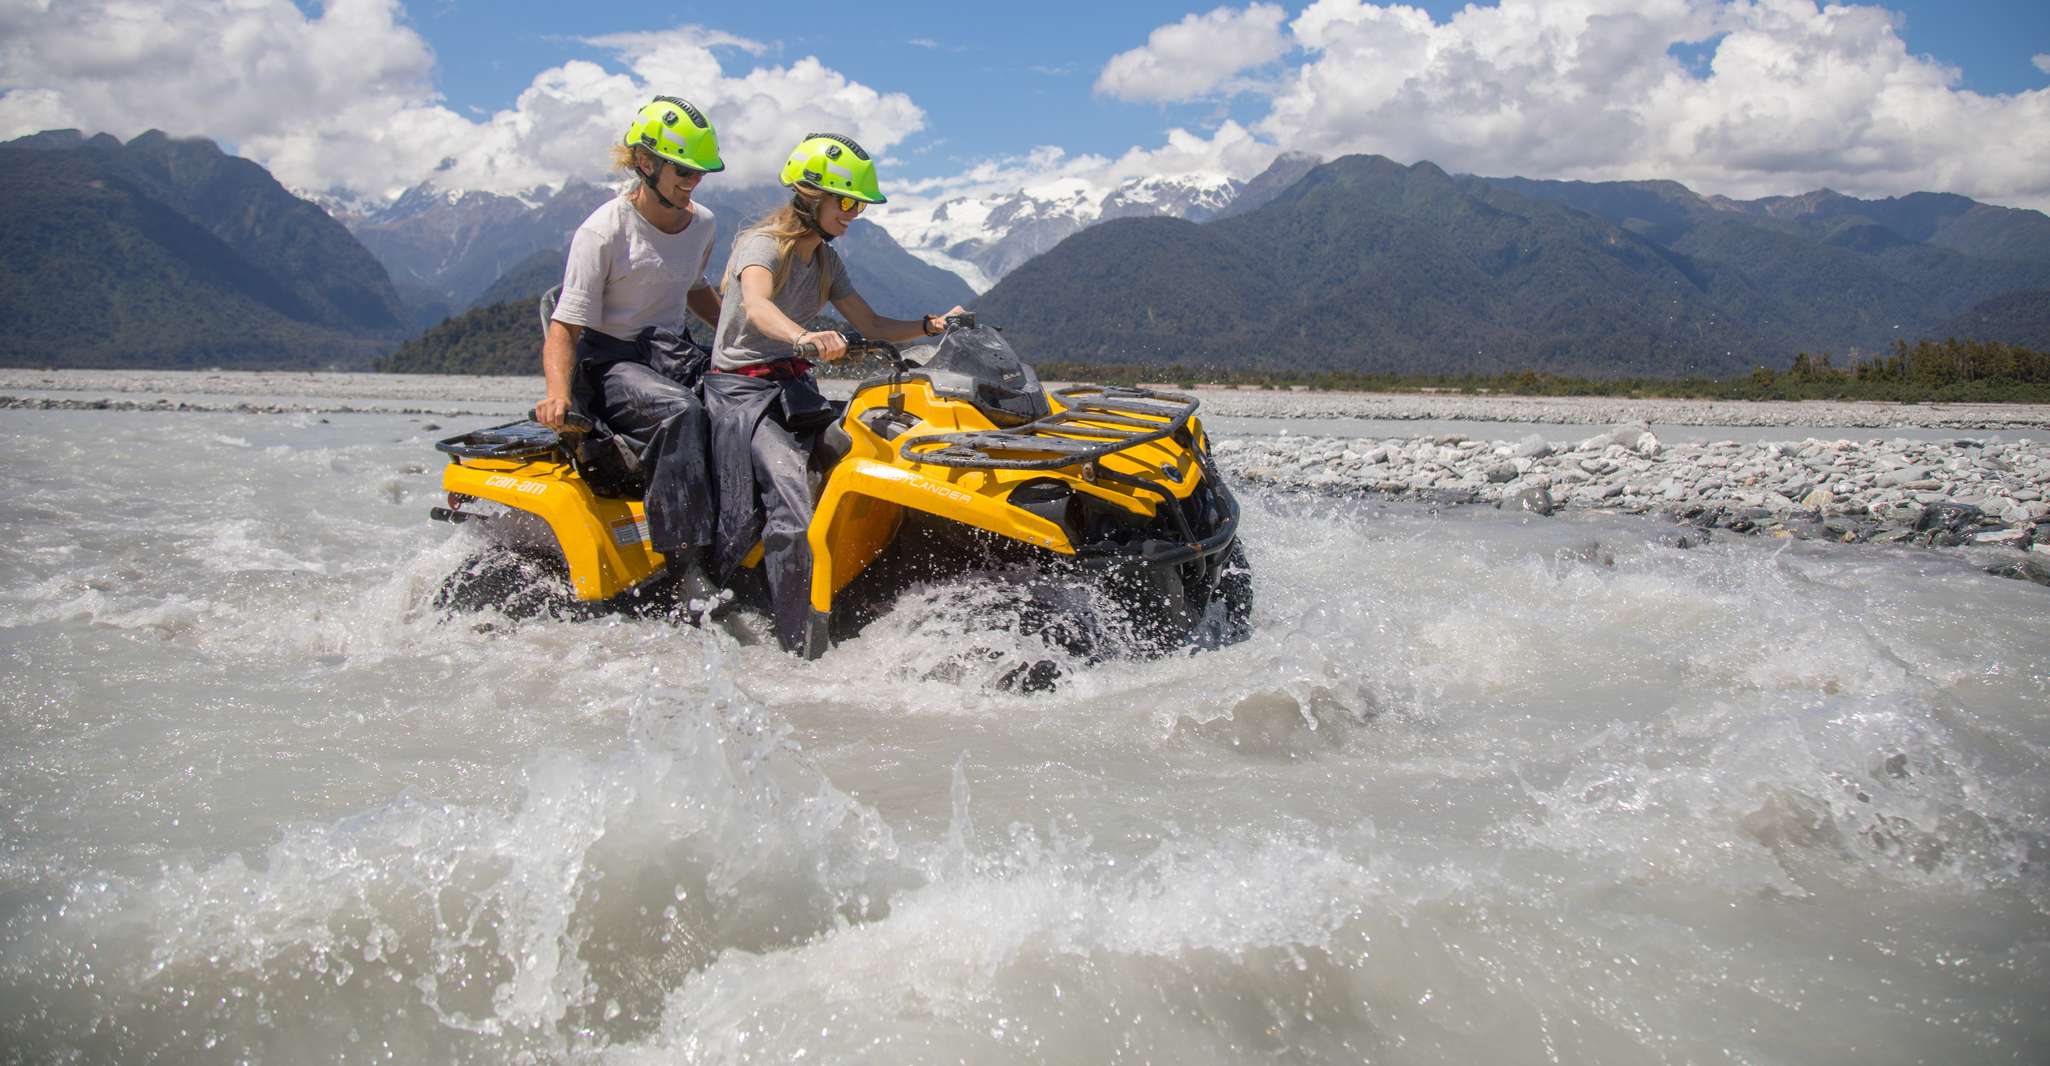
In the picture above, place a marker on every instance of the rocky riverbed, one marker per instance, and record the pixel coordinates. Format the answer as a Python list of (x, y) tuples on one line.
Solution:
[(1610, 410), (1852, 490)]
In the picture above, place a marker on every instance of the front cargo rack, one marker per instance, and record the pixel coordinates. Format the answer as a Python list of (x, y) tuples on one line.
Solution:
[(1099, 420)]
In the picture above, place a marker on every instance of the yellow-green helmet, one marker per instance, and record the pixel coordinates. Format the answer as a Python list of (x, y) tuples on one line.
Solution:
[(672, 129), (836, 164)]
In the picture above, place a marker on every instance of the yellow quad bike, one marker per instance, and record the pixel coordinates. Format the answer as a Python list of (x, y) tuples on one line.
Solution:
[(962, 462)]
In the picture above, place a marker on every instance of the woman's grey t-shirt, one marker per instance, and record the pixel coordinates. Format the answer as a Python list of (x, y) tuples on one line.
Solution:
[(738, 343), (623, 275)]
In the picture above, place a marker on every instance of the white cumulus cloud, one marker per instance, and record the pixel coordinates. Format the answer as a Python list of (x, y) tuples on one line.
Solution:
[(2042, 61), (237, 72), (1196, 55), (1740, 97), (346, 100), (761, 113), (1793, 96)]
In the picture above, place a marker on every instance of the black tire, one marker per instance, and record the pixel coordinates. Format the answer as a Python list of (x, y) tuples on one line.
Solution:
[(1235, 588), (516, 582)]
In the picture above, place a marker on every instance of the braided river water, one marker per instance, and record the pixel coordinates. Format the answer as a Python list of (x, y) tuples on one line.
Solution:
[(1480, 788)]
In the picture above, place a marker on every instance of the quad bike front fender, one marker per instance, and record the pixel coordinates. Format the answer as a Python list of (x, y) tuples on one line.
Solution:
[(863, 503)]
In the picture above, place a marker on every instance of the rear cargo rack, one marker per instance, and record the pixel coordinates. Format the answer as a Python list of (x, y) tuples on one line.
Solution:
[(525, 439), (1100, 420)]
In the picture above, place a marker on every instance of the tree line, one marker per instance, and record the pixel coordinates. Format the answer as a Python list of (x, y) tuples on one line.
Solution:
[(1951, 370)]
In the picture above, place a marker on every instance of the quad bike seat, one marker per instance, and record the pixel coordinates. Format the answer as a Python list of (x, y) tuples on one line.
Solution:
[(834, 442)]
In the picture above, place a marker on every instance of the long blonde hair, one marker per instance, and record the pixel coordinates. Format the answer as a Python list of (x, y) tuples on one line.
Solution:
[(627, 158), (786, 227)]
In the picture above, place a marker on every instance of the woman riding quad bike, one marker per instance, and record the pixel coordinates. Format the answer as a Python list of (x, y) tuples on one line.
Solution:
[(965, 459), (765, 408)]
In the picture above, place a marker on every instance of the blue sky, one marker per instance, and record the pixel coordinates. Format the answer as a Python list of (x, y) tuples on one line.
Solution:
[(996, 79), (360, 99)]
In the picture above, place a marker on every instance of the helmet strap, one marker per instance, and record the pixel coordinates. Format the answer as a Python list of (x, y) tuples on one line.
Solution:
[(650, 179), (808, 211)]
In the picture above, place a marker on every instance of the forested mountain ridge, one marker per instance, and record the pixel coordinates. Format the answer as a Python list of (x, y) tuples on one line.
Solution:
[(1666, 210), (167, 252), (526, 280), (2018, 318), (1370, 266)]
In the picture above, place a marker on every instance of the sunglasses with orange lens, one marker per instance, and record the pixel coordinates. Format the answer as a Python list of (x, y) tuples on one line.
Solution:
[(851, 205)]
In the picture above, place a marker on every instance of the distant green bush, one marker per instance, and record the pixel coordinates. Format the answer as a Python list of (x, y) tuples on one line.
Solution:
[(501, 338), (1948, 371)]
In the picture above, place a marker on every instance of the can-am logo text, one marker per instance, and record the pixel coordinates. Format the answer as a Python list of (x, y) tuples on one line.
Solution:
[(501, 481)]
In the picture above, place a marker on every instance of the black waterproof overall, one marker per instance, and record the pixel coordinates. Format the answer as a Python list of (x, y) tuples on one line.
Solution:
[(764, 431), (645, 390)]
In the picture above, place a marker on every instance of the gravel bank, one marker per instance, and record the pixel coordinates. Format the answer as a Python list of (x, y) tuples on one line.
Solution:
[(1942, 494), (1608, 411)]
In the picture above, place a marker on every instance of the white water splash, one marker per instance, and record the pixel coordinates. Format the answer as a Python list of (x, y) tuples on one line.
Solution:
[(1478, 788)]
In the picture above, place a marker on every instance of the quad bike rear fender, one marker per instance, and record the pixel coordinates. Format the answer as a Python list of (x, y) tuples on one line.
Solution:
[(604, 541)]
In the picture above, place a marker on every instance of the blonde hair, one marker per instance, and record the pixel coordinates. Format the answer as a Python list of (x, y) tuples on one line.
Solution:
[(786, 227), (627, 157)]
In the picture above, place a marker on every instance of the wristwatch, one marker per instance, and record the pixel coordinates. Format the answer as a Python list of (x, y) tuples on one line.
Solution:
[(933, 325)]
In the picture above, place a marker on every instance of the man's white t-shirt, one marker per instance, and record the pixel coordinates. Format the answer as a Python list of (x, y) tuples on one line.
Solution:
[(624, 275)]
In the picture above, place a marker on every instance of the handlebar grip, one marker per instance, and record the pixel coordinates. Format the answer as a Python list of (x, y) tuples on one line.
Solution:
[(805, 350)]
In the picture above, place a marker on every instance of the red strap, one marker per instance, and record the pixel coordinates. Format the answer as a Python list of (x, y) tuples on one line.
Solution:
[(777, 369)]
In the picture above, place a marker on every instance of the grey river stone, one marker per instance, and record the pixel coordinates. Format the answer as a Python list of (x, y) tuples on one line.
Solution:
[(1940, 494)]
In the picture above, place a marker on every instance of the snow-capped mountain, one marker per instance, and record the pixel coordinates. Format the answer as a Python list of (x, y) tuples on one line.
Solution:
[(456, 242), (984, 238), (1196, 197), (342, 205)]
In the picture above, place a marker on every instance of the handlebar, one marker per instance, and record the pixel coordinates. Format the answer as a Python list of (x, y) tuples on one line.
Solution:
[(856, 345), (860, 345)]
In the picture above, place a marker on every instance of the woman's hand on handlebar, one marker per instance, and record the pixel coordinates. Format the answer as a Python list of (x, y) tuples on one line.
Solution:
[(549, 411), (825, 344)]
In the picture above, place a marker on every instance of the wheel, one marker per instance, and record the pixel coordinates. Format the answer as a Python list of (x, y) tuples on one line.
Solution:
[(1235, 588), (516, 582)]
